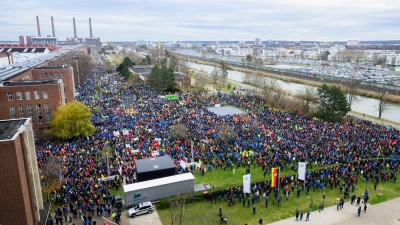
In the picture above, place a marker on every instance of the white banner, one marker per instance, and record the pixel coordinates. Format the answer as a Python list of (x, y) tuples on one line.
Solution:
[(125, 132), (217, 105), (157, 139), (116, 133), (136, 139), (183, 164), (302, 171), (155, 153), (136, 150), (127, 145), (246, 183)]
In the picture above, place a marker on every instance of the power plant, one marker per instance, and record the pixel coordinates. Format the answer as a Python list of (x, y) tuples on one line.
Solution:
[(83, 40), (53, 40)]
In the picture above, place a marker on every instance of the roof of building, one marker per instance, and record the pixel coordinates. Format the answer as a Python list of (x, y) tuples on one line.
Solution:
[(10, 71), (27, 82), (9, 127), (50, 47), (154, 164), (52, 67)]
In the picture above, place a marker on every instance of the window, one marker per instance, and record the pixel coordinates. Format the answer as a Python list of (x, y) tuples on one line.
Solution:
[(47, 112), (39, 113), (40, 76), (36, 94), (30, 113), (61, 75), (19, 95), (12, 112), (46, 75), (41, 131), (28, 95), (51, 75), (10, 96), (56, 74), (45, 95), (21, 111)]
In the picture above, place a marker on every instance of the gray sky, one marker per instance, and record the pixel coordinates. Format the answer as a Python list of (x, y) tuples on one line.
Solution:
[(174, 20)]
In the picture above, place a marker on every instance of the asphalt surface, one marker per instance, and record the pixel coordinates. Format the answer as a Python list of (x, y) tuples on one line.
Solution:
[(386, 213)]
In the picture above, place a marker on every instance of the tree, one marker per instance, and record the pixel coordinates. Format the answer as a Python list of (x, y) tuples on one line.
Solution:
[(85, 65), (124, 67), (134, 79), (306, 97), (249, 58), (71, 120), (332, 103), (148, 59), (383, 104), (224, 75), (226, 133), (50, 173), (351, 90), (324, 55), (215, 75), (127, 62), (162, 78), (179, 131), (267, 87), (200, 82)]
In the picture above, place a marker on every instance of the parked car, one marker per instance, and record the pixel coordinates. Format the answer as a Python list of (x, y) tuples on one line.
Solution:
[(141, 208)]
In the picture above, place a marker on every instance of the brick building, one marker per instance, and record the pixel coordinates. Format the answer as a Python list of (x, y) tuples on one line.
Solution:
[(35, 99), (21, 195), (65, 73), (68, 62)]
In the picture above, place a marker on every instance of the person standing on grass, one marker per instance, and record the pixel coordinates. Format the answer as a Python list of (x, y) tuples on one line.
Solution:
[(260, 221), (301, 215), (254, 209)]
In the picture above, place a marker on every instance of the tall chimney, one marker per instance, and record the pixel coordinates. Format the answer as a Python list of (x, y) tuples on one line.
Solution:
[(38, 26), (74, 29), (90, 26), (52, 27)]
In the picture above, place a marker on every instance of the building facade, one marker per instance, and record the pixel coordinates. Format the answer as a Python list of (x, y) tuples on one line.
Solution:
[(34, 99), (21, 195)]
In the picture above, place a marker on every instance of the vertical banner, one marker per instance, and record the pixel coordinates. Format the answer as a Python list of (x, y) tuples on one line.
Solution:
[(302, 171), (246, 183), (275, 177)]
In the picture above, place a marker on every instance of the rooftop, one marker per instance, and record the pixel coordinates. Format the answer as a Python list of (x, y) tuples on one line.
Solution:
[(52, 67), (9, 127), (27, 82), (154, 164)]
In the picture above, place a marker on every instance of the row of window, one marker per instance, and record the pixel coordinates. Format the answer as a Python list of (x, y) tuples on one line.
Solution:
[(46, 75), (30, 112), (27, 95)]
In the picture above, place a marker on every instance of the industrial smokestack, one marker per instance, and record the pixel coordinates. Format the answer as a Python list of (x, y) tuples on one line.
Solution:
[(90, 26), (52, 27), (38, 26), (75, 29)]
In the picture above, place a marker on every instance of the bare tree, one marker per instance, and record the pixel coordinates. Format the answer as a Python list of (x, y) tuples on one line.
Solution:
[(267, 87), (224, 74), (50, 173), (383, 104), (215, 74), (226, 133), (85, 65), (277, 93), (351, 90), (200, 82), (179, 131), (306, 97)]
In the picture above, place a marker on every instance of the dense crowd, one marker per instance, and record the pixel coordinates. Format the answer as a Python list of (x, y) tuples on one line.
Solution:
[(135, 123)]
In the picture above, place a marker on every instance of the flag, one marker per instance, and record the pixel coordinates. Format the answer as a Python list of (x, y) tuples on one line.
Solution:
[(302, 171), (274, 177), (246, 183)]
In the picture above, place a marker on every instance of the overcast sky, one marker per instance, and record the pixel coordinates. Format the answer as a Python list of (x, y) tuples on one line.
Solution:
[(214, 20)]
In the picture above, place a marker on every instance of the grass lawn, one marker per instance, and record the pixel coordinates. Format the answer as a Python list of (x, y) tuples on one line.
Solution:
[(203, 212)]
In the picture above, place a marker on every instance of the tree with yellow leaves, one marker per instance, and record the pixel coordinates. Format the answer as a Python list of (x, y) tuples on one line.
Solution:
[(71, 120)]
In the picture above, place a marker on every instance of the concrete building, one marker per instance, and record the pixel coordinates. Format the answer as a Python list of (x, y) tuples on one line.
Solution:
[(35, 99), (21, 195), (44, 40), (353, 42), (6, 58)]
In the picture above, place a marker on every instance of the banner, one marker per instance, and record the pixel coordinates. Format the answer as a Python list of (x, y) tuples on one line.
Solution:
[(127, 145), (125, 132), (217, 105), (157, 139), (246, 183), (155, 153), (183, 164), (136, 139), (275, 177), (302, 171), (135, 151), (116, 133)]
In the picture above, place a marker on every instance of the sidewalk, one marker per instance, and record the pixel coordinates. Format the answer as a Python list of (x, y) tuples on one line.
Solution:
[(375, 120), (382, 213)]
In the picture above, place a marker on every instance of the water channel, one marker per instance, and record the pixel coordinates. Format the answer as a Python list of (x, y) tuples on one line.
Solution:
[(363, 105)]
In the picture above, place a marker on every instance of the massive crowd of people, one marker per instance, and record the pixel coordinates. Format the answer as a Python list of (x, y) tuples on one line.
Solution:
[(135, 124)]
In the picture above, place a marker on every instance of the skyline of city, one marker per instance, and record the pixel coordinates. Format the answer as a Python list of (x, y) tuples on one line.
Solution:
[(239, 20)]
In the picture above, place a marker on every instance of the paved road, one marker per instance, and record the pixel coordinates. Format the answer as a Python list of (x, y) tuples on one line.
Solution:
[(384, 213)]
